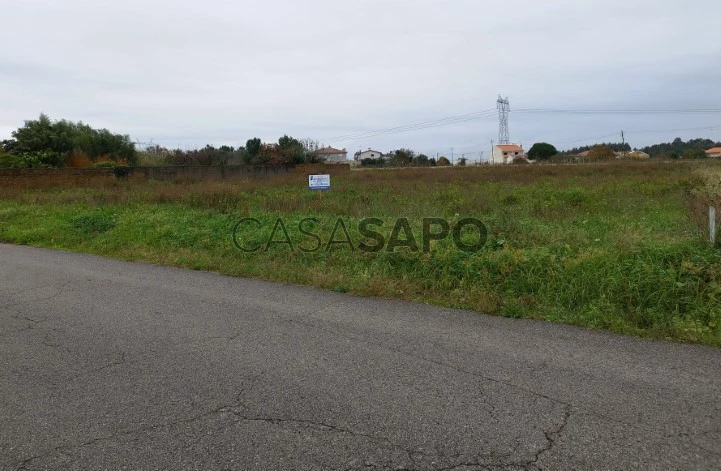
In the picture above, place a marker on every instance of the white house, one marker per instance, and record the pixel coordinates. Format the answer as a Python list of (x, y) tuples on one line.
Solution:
[(367, 154), (505, 153), (332, 155)]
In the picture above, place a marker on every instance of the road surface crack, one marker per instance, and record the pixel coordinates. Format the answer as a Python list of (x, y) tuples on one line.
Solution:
[(551, 437), (325, 427), (47, 342)]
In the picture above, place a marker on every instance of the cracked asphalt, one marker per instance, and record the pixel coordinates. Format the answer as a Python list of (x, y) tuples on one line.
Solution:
[(107, 365)]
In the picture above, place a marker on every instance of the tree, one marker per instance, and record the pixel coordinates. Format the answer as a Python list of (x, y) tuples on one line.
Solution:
[(66, 137), (542, 151), (462, 162), (401, 157), (422, 160), (694, 154), (292, 149), (678, 147), (253, 147), (8, 145), (443, 162), (310, 145)]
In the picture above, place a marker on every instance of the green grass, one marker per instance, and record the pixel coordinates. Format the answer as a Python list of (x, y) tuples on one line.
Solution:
[(615, 247)]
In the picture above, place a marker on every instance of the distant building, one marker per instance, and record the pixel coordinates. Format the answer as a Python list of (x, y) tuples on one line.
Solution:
[(714, 152), (636, 155), (505, 153), (332, 155), (367, 154)]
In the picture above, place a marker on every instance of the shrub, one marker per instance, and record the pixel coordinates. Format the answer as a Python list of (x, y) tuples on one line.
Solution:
[(372, 162), (693, 154), (46, 159)]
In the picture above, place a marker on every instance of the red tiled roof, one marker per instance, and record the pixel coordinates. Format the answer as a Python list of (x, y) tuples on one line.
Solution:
[(510, 147), (330, 150), (715, 150)]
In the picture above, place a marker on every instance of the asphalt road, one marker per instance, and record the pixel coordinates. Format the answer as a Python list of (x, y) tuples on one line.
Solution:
[(106, 365)]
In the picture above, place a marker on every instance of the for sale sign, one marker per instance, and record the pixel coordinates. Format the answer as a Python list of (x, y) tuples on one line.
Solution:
[(319, 182)]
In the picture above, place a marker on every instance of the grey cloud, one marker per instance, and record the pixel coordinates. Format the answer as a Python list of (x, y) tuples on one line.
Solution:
[(190, 73)]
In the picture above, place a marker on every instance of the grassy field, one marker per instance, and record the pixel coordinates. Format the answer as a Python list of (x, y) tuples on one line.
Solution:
[(617, 247)]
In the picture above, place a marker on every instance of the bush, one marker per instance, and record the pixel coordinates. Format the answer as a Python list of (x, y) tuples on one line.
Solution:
[(693, 154), (372, 162), (154, 157), (46, 159)]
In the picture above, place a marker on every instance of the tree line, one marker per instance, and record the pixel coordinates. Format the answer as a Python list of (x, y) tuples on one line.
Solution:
[(677, 149), (680, 149), (288, 150), (44, 143), (47, 143)]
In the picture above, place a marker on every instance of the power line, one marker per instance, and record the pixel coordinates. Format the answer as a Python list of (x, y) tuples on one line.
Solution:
[(487, 113), (588, 138), (621, 111), (703, 128), (417, 126), (412, 127)]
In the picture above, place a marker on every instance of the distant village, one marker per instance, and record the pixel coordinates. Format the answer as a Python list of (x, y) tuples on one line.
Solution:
[(513, 154)]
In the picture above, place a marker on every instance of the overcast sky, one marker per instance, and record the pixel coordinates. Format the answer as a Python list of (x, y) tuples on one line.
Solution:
[(187, 73)]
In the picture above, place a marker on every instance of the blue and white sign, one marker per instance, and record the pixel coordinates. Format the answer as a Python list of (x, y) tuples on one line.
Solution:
[(319, 182)]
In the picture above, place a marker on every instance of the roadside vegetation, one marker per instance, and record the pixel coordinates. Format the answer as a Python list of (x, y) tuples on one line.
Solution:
[(619, 246)]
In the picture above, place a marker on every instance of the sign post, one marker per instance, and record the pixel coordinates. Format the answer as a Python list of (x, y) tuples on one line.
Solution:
[(712, 224), (319, 183)]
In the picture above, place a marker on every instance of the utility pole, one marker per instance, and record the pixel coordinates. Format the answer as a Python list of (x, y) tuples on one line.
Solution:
[(452, 157)]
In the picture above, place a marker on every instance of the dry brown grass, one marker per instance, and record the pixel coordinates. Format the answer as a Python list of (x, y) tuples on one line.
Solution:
[(361, 187), (78, 159)]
